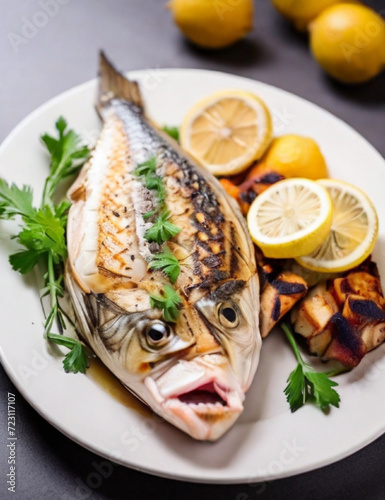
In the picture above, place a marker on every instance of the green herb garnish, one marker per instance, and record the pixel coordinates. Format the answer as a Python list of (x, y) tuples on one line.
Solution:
[(166, 262), (67, 156), (76, 360), (146, 168), (43, 232), (306, 384), (172, 132), (155, 182), (162, 230), (169, 302), (148, 215)]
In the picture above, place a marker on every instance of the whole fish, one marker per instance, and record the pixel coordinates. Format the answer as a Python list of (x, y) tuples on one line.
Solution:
[(193, 366)]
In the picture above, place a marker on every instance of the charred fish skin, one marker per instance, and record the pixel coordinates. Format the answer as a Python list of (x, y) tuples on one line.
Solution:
[(193, 371)]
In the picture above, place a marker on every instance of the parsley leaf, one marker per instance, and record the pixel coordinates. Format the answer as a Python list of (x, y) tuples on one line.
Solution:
[(155, 182), (306, 384), (148, 215), (15, 201), (169, 301), (295, 389), (25, 260), (166, 262), (162, 230), (42, 233), (76, 359), (145, 168), (151, 180), (323, 391), (67, 157), (172, 132)]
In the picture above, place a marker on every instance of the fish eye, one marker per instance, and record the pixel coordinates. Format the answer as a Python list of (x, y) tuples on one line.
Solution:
[(228, 314), (157, 333)]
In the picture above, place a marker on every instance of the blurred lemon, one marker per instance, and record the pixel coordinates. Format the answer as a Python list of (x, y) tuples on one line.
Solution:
[(213, 23), (348, 41), (226, 131), (295, 156), (301, 12)]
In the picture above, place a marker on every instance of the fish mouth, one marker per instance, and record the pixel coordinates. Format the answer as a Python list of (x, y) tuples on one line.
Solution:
[(199, 397), (203, 396)]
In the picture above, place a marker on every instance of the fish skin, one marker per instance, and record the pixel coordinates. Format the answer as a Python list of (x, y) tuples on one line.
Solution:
[(212, 350)]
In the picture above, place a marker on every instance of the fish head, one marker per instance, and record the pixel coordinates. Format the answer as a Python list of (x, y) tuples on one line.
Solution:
[(201, 389), (194, 373)]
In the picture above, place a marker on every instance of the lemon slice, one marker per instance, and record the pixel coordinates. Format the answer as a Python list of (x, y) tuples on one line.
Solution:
[(291, 218), (227, 131), (353, 233)]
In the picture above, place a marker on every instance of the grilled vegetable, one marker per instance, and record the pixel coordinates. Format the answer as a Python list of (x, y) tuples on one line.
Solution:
[(344, 318), (278, 297)]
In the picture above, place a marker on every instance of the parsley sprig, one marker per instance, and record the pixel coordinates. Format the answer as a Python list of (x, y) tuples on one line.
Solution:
[(151, 180), (67, 156), (169, 301), (162, 230), (306, 384), (172, 132), (145, 168), (166, 261), (42, 233)]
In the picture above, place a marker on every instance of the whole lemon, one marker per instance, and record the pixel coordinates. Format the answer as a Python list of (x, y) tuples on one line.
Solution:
[(348, 41), (295, 156), (213, 23), (301, 12)]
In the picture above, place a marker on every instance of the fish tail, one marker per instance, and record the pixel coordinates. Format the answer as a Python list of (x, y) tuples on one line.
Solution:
[(113, 84)]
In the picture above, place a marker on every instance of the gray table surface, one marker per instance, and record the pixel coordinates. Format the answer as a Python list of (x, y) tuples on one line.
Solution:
[(139, 34)]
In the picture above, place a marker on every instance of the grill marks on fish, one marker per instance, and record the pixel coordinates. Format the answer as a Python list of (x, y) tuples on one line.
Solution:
[(102, 192), (116, 215), (110, 283), (115, 201), (211, 241), (214, 252)]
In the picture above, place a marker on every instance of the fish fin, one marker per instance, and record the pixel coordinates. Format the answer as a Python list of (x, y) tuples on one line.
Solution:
[(113, 84)]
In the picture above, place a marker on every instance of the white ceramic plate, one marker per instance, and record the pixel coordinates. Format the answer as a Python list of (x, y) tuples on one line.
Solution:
[(268, 441)]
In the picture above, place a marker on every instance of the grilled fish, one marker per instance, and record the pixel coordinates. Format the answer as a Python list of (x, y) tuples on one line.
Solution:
[(194, 367)]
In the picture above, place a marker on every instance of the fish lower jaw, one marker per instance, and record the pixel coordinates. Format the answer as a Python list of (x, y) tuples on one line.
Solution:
[(202, 421), (205, 410)]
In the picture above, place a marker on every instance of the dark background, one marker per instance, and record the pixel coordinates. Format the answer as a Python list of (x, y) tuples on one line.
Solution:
[(139, 34)]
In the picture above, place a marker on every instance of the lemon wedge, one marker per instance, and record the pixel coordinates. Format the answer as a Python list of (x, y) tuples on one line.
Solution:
[(353, 233), (291, 218), (227, 131)]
